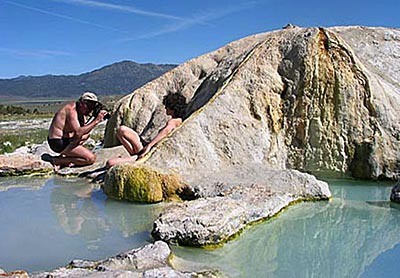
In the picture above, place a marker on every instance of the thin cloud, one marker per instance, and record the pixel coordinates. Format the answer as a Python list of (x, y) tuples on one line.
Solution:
[(58, 15), (202, 18), (41, 53), (122, 8)]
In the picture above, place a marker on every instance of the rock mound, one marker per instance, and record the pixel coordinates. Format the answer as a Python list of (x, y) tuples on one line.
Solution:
[(321, 100)]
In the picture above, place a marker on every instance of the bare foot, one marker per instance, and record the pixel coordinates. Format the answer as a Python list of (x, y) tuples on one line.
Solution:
[(56, 168)]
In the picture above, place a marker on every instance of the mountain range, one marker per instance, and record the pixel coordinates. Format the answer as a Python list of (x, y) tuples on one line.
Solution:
[(115, 79)]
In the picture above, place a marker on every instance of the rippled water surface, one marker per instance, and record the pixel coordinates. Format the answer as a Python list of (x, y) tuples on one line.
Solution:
[(47, 223)]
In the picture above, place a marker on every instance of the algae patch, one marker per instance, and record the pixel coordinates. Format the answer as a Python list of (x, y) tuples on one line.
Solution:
[(141, 184)]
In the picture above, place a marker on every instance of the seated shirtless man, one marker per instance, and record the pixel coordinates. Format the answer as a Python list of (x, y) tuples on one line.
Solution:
[(69, 130), (136, 147)]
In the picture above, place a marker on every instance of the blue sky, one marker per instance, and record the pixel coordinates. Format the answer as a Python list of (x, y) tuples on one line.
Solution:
[(41, 37)]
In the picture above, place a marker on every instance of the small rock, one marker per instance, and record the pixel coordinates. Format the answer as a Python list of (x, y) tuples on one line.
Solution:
[(395, 195)]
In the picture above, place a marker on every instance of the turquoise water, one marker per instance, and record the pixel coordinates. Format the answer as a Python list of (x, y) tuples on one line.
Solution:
[(48, 223), (355, 235), (51, 222)]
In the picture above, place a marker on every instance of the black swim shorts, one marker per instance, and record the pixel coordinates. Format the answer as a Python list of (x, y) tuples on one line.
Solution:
[(59, 144)]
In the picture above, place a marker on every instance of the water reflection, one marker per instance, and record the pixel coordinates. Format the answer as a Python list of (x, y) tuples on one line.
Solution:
[(27, 183), (341, 238), (66, 219), (75, 211), (129, 222), (82, 209)]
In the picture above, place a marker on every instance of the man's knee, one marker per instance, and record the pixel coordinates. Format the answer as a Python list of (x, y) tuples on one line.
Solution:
[(122, 130), (90, 159)]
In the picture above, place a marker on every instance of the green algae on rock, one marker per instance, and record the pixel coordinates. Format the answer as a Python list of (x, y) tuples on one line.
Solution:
[(141, 184)]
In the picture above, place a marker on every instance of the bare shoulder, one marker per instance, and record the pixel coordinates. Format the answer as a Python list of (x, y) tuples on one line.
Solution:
[(71, 106), (174, 122), (66, 108)]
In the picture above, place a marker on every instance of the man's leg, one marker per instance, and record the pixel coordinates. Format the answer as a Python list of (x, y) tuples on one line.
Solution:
[(129, 139), (117, 160), (78, 156)]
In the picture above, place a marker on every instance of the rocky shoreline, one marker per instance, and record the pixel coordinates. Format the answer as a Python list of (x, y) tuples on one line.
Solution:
[(151, 261)]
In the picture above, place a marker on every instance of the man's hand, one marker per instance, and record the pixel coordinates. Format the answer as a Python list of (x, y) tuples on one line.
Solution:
[(84, 138), (101, 116)]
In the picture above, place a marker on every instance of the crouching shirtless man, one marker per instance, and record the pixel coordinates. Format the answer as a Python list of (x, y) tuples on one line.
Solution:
[(68, 131)]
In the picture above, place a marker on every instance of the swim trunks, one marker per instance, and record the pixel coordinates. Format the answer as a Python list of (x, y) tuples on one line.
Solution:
[(59, 144)]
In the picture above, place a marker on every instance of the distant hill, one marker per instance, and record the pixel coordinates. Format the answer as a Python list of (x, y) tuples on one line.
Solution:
[(115, 79)]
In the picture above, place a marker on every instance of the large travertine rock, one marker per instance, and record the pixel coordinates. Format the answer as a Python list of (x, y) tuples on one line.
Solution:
[(313, 99), (322, 100)]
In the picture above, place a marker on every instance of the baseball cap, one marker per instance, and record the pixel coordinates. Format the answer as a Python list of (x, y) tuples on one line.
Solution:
[(89, 96)]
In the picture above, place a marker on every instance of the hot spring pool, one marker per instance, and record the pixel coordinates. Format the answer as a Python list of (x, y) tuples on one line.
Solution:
[(45, 223)]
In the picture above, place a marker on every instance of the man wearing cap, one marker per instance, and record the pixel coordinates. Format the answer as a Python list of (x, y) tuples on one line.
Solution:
[(69, 130)]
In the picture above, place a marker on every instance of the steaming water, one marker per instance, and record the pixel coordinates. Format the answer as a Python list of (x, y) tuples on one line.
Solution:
[(46, 223)]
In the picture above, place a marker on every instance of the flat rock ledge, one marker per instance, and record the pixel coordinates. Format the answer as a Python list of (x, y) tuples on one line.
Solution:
[(18, 164), (149, 261), (214, 220), (29, 161)]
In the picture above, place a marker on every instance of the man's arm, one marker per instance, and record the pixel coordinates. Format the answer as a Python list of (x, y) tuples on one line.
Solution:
[(79, 130), (171, 125)]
